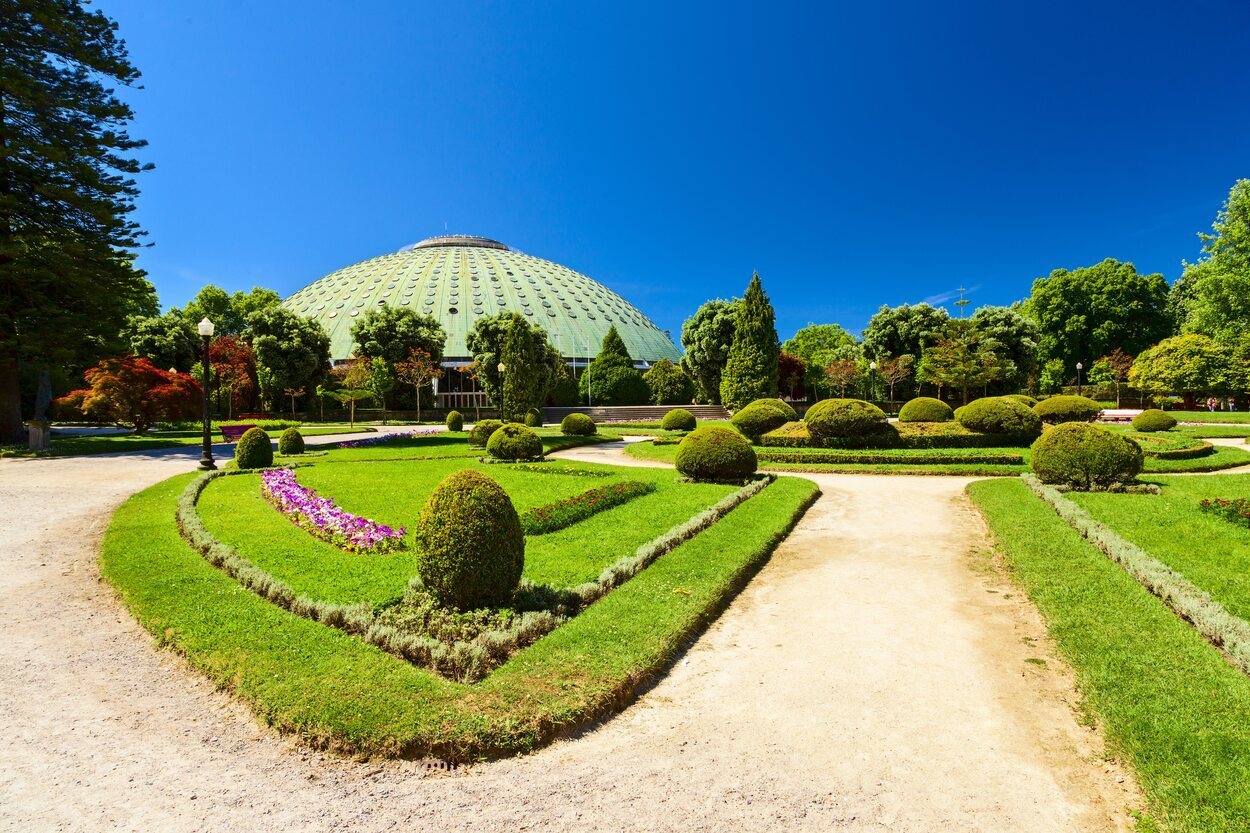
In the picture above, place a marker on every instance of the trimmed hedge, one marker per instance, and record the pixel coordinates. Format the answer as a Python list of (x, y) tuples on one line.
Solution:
[(578, 425), (1027, 401), (999, 415), (1152, 420), (679, 419), (482, 430), (515, 441), (926, 409), (470, 548), (291, 442), (883, 457), (829, 419), (455, 421), (715, 453), (1060, 409), (899, 435), (534, 418), (762, 416), (1084, 457), (253, 450)]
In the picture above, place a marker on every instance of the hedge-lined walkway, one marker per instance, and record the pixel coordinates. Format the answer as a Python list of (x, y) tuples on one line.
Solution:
[(869, 678)]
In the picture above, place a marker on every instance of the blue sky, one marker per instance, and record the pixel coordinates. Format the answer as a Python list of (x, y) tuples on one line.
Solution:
[(854, 154)]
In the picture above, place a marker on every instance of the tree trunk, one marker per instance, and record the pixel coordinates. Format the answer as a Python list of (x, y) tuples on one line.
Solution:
[(965, 394), (11, 429)]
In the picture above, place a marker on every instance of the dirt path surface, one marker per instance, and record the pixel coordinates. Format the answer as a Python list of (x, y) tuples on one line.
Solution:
[(875, 676)]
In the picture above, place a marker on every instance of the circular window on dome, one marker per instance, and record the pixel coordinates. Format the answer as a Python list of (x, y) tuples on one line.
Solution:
[(339, 305), (566, 306), (547, 304), (591, 316), (552, 313), (528, 311), (428, 310), (355, 312), (333, 314), (501, 302), (404, 302), (452, 311), (477, 310)]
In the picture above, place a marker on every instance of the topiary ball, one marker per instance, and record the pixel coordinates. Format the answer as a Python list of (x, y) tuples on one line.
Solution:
[(578, 425), (761, 416), (1022, 399), (679, 419), (455, 421), (534, 418), (1152, 420), (469, 543), (830, 418), (1060, 409), (926, 409), (998, 415), (253, 450), (291, 442), (1084, 456), (515, 441), (479, 435), (715, 452)]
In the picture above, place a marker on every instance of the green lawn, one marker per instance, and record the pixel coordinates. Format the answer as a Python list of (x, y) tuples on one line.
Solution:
[(1201, 431), (449, 444), (68, 445), (1169, 702), (1238, 417)]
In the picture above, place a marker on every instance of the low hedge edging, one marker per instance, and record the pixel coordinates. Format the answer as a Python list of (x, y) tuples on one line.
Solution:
[(1204, 450), (870, 458)]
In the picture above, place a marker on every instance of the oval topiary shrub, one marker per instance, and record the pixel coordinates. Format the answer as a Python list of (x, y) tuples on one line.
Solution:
[(715, 452), (253, 450), (761, 416), (291, 442), (679, 419), (1060, 409), (479, 435), (578, 425), (534, 418), (1022, 399), (1152, 420), (830, 418), (998, 415), (1083, 456), (455, 421), (470, 547), (926, 409), (515, 441)]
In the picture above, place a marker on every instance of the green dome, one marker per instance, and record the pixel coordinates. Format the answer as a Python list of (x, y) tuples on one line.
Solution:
[(460, 279)]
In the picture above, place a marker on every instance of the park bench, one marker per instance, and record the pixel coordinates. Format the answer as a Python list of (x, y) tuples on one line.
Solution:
[(1119, 415), (231, 433)]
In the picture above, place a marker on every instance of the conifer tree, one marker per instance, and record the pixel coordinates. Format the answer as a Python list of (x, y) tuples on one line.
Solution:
[(751, 371), (522, 375), (611, 378)]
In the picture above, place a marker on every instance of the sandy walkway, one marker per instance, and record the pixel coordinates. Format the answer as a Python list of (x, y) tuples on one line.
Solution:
[(873, 677)]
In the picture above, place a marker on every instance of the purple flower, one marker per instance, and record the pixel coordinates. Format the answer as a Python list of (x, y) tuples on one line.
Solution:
[(321, 518)]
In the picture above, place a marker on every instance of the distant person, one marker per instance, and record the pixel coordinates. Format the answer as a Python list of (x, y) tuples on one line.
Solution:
[(1211, 404)]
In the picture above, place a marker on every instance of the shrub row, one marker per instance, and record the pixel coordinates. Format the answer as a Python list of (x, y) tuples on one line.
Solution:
[(999, 415), (870, 458), (553, 517), (899, 435)]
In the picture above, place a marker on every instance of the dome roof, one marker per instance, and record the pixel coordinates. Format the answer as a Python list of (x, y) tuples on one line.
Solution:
[(460, 279)]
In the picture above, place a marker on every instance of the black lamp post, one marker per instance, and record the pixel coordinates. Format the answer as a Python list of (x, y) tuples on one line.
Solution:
[(1079, 368), (872, 380), (206, 328)]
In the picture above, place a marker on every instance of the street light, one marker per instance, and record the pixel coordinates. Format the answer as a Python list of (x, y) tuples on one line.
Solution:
[(872, 380), (1079, 368), (206, 328)]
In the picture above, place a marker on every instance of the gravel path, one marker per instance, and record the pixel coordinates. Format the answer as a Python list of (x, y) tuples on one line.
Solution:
[(875, 676)]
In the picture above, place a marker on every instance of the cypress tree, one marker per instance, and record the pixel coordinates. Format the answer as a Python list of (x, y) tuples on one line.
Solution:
[(522, 382), (611, 378), (751, 371)]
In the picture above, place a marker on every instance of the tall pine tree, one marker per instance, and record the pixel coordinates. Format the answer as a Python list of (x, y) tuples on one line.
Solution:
[(522, 375), (611, 378), (751, 371)]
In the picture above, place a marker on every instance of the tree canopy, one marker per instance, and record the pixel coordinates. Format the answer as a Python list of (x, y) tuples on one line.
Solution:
[(706, 337), (611, 379), (1188, 365), (668, 384), (228, 312), (904, 330), (751, 371), (169, 340), (818, 346), (486, 341), (291, 351), (392, 333), (1213, 294), (1017, 337)]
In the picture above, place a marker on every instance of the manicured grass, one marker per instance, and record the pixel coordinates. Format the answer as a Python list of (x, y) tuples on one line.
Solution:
[(453, 444), (1224, 457), (64, 445), (1169, 701), (337, 691), (1202, 431)]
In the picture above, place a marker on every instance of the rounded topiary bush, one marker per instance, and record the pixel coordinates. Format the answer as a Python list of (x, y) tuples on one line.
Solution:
[(1059, 409), (998, 415), (470, 547), (455, 421), (761, 416), (830, 418), (1084, 456), (578, 425), (515, 441), (291, 442), (534, 418), (479, 435), (1023, 399), (679, 419), (1153, 419), (253, 450), (715, 452), (926, 409)]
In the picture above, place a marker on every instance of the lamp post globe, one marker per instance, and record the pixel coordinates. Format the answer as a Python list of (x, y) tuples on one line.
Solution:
[(1079, 368), (205, 329)]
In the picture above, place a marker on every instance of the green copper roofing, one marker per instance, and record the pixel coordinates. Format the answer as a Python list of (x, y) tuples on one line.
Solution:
[(460, 279)]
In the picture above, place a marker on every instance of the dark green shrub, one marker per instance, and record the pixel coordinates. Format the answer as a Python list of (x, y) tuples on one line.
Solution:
[(999, 415), (534, 418), (455, 421), (715, 452), (514, 441), (679, 419), (1027, 401), (578, 425), (481, 431), (1152, 420), (470, 548), (291, 442), (926, 409), (831, 418), (253, 450), (1059, 409), (762, 416), (1084, 456)]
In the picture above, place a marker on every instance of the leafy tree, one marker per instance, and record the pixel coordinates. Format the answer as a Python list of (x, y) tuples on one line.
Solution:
[(229, 313), (381, 381), (1218, 285), (792, 375), (132, 391), (610, 379), (524, 384), (842, 373), (1017, 337), (419, 370), (818, 346), (565, 391), (1114, 369), (668, 384), (904, 330), (169, 340), (234, 371), (354, 375), (66, 192), (392, 333), (751, 371), (291, 351), (486, 342), (706, 337), (964, 358), (895, 370), (1091, 311), (1054, 376), (1187, 365)]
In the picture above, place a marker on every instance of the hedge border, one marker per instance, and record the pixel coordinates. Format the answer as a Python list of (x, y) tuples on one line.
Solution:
[(1204, 450), (868, 458)]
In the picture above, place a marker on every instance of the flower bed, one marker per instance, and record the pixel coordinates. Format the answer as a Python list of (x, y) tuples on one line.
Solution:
[(385, 438), (556, 516), (321, 518), (1234, 511)]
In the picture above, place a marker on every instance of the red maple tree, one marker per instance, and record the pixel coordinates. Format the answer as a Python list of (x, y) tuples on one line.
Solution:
[(132, 391)]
